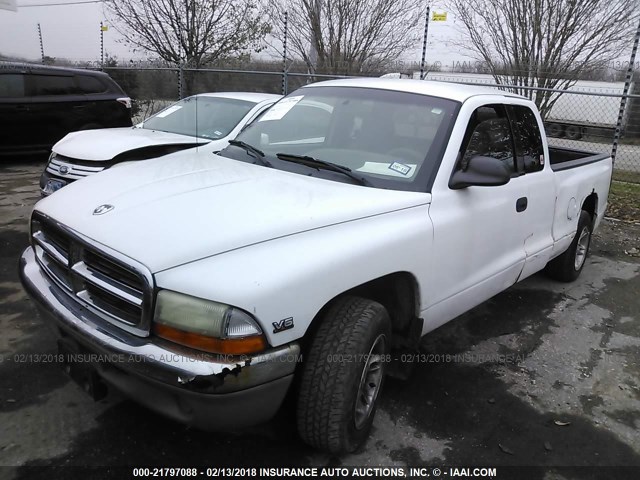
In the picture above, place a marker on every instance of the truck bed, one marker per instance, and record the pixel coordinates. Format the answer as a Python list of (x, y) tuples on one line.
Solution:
[(562, 158)]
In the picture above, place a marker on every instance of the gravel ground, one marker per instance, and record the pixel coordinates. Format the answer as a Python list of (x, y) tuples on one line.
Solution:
[(544, 374)]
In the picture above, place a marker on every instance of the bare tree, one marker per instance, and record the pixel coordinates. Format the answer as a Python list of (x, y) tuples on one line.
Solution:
[(544, 43), (350, 36), (192, 32)]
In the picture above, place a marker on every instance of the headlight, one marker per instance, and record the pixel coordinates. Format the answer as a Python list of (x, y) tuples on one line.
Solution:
[(206, 325)]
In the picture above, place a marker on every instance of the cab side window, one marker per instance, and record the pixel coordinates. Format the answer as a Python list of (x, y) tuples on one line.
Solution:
[(488, 135), (528, 140)]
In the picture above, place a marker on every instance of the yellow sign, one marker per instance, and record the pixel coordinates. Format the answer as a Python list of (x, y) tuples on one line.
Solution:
[(439, 17), (104, 28)]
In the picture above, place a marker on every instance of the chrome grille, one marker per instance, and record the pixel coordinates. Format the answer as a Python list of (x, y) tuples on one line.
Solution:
[(71, 168), (117, 289)]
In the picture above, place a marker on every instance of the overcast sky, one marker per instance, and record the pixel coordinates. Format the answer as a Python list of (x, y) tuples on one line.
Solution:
[(73, 32)]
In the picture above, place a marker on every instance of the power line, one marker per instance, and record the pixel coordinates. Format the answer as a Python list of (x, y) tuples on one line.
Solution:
[(58, 4)]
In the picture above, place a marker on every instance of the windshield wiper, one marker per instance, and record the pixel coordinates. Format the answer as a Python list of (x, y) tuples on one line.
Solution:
[(251, 150), (323, 164)]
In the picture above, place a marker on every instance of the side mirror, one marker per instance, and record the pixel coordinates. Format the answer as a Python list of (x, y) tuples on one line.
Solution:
[(481, 171)]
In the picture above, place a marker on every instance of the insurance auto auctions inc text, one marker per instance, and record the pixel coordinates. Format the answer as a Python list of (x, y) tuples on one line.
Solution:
[(373, 472)]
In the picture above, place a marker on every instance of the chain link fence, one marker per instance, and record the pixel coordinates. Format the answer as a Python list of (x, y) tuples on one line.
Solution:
[(583, 117), (154, 88)]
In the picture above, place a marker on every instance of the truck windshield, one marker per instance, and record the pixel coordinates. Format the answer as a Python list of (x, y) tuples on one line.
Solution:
[(200, 116), (395, 139)]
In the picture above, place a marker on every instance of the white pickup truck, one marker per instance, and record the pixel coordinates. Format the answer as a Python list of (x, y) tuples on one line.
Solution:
[(354, 217)]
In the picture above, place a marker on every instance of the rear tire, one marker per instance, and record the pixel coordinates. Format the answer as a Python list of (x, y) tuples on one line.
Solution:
[(567, 267), (343, 374)]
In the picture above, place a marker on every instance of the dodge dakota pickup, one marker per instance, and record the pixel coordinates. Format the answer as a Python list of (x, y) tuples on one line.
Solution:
[(353, 218)]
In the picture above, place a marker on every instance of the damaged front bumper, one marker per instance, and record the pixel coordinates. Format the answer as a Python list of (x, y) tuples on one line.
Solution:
[(208, 391)]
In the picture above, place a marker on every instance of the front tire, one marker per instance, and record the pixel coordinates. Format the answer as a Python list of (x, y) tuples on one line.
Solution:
[(343, 374), (567, 267)]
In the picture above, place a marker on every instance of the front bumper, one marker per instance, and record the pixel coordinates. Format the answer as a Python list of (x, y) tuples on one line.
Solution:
[(208, 391), (45, 178)]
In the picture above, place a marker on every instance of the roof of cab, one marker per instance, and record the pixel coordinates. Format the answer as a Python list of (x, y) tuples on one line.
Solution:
[(453, 91)]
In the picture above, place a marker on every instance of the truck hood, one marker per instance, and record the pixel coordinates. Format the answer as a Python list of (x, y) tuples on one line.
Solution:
[(187, 206), (107, 143)]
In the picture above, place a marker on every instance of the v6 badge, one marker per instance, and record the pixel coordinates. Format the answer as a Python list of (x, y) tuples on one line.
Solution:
[(282, 325)]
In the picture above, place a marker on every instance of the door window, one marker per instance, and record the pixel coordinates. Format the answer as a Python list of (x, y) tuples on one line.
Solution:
[(488, 135), (528, 140), (12, 85)]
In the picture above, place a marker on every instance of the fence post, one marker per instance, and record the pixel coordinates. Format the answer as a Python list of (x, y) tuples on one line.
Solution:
[(284, 56), (101, 46), (424, 44), (41, 44), (180, 81), (625, 93)]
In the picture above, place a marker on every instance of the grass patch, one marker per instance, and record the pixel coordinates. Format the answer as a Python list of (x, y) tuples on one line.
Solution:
[(624, 201), (626, 176)]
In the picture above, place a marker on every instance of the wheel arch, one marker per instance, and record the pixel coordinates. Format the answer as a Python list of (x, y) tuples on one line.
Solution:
[(590, 205), (399, 293)]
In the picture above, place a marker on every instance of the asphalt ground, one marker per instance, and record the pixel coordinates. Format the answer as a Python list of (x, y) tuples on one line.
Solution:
[(544, 374)]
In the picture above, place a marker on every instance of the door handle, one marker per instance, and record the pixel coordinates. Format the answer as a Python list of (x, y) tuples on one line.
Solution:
[(22, 108), (521, 204)]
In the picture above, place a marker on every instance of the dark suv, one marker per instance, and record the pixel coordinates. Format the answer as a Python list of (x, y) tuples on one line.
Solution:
[(39, 105)]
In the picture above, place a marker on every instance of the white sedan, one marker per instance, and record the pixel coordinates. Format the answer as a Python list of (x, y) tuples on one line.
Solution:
[(207, 121)]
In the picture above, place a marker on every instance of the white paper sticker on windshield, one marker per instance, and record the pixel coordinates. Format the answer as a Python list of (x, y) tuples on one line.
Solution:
[(169, 111), (400, 169), (281, 108)]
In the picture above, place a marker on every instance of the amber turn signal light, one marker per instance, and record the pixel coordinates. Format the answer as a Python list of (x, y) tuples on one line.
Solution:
[(227, 346)]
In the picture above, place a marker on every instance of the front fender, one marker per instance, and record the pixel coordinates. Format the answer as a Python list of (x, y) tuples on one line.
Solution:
[(296, 275)]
